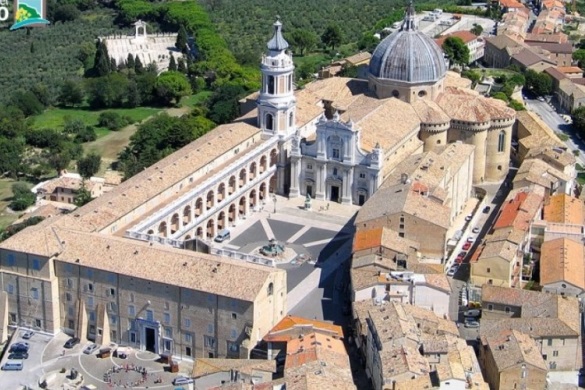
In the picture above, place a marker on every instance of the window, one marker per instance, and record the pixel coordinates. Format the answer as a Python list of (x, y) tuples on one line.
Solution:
[(234, 316), (209, 341), (270, 289), (38, 323), (90, 302), (362, 175), (149, 315), (92, 316), (309, 167), (187, 323), (167, 345), (401, 234), (71, 324), (507, 309), (166, 318), (112, 306), (113, 320), (131, 297), (563, 285), (70, 311), (335, 153), (167, 305), (132, 337), (555, 353), (168, 332), (68, 297), (291, 120), (210, 328), (69, 283), (36, 264), (90, 287), (131, 311), (334, 171), (490, 281), (11, 260), (12, 318), (269, 122), (10, 289), (489, 270), (270, 85), (113, 335), (188, 351), (490, 307), (549, 342), (501, 141), (112, 292), (233, 347), (188, 338), (34, 293), (234, 333)]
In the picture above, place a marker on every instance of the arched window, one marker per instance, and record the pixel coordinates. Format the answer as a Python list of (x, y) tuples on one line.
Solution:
[(291, 120), (334, 171), (501, 141), (269, 122), (271, 85), (270, 290), (290, 83)]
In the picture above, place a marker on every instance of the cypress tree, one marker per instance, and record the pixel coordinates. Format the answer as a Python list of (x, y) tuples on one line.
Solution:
[(130, 61), (181, 67), (182, 39), (113, 65), (138, 67), (172, 63), (102, 63)]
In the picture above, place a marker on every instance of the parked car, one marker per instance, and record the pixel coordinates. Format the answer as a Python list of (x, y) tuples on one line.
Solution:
[(462, 254), (453, 270), (18, 356), (72, 342), (459, 259), (470, 239), (91, 348), (471, 324), (466, 246), (182, 380), (486, 209), (469, 218), (540, 99), (21, 346), (28, 334), (472, 313), (12, 365), (476, 230)]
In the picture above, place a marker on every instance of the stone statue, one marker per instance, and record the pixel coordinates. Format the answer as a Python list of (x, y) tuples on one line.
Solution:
[(308, 202)]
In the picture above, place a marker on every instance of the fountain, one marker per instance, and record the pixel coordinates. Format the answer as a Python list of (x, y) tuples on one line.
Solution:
[(272, 249)]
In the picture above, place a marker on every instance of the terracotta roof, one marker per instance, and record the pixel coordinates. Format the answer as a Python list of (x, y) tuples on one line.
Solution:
[(563, 208), (562, 260), (440, 281), (570, 69), (536, 171), (285, 329), (555, 73), (511, 4), (511, 348), (528, 58), (359, 57), (518, 210), (382, 237), (556, 38), (193, 270), (540, 133), (502, 42), (553, 47), (208, 366), (466, 37), (503, 249), (471, 106)]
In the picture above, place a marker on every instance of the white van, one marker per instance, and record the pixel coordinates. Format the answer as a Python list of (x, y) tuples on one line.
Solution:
[(12, 365), (223, 235)]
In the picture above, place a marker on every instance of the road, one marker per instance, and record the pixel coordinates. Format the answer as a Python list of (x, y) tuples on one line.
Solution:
[(557, 124)]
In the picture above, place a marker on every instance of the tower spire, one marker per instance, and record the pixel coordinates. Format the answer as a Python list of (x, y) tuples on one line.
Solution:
[(409, 23), (277, 42)]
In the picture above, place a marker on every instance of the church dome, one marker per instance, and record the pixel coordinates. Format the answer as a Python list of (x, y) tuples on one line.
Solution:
[(408, 55)]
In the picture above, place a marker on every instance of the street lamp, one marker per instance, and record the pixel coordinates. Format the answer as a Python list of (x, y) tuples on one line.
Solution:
[(274, 200)]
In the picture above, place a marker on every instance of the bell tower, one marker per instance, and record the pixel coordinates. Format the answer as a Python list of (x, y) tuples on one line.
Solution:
[(277, 103)]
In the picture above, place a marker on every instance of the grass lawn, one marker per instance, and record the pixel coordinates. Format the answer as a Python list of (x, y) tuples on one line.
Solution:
[(313, 60), (55, 118), (581, 178), (195, 100)]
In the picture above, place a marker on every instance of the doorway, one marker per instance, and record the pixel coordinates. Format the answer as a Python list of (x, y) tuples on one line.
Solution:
[(334, 194), (150, 339), (309, 191), (361, 199)]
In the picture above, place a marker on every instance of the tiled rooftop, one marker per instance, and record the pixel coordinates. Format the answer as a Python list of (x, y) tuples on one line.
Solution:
[(536, 171), (519, 210), (511, 347), (563, 208), (287, 328), (208, 366), (562, 260)]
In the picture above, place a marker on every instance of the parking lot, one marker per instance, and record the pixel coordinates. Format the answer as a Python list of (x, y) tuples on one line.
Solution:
[(49, 360)]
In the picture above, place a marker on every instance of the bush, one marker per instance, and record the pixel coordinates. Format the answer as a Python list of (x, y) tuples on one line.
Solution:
[(23, 197), (113, 121)]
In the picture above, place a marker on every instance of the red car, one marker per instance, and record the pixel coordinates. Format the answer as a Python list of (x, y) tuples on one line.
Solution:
[(459, 259), (466, 246)]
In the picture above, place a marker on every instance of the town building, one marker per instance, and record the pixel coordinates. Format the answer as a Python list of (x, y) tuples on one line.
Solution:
[(499, 50), (536, 172), (560, 53), (360, 61), (409, 347), (64, 189), (511, 360), (212, 373), (474, 43), (562, 267), (553, 321)]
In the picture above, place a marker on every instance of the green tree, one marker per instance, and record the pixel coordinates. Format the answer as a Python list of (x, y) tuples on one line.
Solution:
[(477, 29), (182, 39), (12, 122), (59, 161), (539, 83), (66, 13), (86, 55), (71, 93), (368, 42), (102, 62), (332, 36), (138, 66), (579, 56), (130, 61), (27, 102), (22, 197), (500, 96), (89, 165), (108, 91), (223, 104), (456, 51), (181, 67), (303, 40), (82, 196), (172, 64), (42, 93), (578, 116), (11, 152), (172, 86)]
